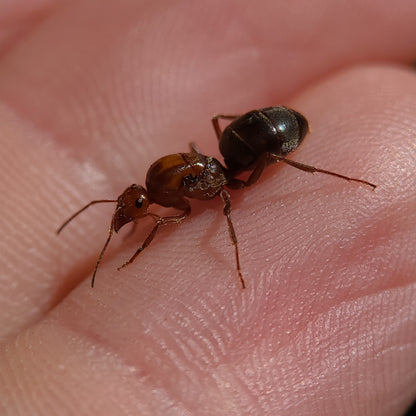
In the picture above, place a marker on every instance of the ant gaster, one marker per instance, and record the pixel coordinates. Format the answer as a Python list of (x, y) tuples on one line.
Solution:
[(249, 143), (261, 137)]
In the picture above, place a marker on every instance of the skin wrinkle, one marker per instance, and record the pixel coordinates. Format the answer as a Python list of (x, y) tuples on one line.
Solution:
[(117, 353), (136, 312)]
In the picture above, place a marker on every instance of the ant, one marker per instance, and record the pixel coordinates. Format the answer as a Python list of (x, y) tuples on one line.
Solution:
[(249, 143), (169, 182)]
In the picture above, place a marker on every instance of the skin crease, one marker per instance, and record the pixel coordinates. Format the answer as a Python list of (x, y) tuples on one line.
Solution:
[(92, 94)]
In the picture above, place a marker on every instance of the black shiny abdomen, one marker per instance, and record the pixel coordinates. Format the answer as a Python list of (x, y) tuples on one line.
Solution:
[(275, 130)]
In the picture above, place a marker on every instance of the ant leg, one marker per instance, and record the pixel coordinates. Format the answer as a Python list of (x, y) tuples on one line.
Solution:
[(176, 219), (234, 183), (142, 247), (258, 170), (194, 148), (263, 161), (313, 169), (227, 211), (216, 123)]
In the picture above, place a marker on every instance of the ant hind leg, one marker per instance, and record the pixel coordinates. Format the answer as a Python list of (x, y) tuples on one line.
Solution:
[(313, 169), (216, 123)]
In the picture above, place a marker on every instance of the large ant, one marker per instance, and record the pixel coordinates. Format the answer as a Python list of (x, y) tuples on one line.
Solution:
[(249, 143)]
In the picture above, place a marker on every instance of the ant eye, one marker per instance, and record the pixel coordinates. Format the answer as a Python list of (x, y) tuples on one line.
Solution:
[(138, 203)]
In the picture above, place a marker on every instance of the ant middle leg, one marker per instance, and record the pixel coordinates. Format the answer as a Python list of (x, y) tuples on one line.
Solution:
[(225, 196), (235, 183), (216, 123)]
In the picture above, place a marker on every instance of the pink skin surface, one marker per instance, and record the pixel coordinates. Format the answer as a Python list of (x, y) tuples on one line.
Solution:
[(91, 94)]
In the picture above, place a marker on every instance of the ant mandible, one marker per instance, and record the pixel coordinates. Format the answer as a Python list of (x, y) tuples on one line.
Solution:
[(249, 143)]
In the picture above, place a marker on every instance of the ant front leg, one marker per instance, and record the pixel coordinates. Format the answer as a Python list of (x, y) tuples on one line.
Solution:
[(313, 169), (174, 219), (225, 196), (216, 123)]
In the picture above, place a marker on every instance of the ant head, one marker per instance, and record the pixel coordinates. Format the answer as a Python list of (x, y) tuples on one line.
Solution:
[(131, 205)]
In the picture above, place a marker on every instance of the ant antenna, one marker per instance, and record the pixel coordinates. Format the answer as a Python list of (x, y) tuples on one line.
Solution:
[(98, 201), (110, 234)]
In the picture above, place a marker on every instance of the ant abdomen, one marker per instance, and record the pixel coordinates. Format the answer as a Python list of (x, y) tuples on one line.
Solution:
[(273, 130)]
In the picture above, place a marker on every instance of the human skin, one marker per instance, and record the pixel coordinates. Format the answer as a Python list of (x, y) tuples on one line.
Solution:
[(91, 94)]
